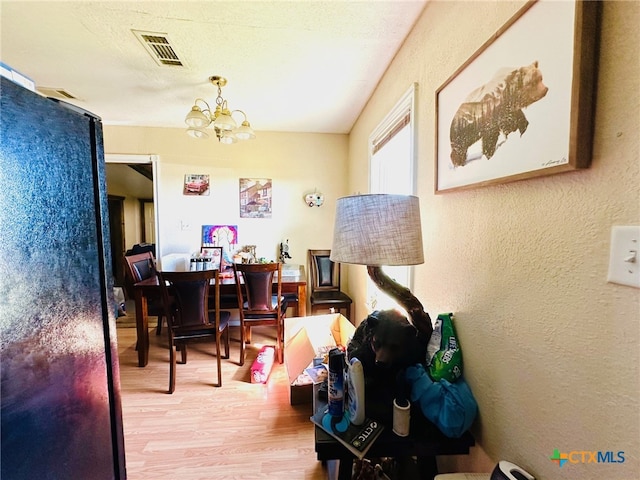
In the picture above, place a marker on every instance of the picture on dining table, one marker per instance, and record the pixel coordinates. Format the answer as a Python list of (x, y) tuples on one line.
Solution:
[(255, 197), (213, 255)]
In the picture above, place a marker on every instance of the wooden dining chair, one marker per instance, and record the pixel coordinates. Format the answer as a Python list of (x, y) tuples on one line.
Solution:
[(325, 284), (140, 267), (190, 317), (258, 305)]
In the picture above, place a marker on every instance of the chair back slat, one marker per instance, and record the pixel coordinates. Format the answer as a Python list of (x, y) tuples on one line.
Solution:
[(143, 269), (325, 274), (325, 283), (140, 266), (325, 271), (258, 286), (258, 305), (190, 291), (254, 284)]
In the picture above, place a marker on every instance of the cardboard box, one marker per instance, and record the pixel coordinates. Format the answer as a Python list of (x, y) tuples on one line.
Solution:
[(303, 337), (175, 262)]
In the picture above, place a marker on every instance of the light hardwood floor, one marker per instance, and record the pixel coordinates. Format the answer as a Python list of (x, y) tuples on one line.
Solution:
[(238, 431)]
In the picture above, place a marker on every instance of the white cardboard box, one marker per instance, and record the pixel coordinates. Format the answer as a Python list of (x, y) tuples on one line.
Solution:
[(303, 337), (175, 262)]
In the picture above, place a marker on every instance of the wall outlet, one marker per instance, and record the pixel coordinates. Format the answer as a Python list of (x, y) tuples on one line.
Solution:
[(624, 259), (185, 226)]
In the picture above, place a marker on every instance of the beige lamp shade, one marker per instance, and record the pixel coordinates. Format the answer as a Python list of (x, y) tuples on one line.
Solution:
[(377, 230)]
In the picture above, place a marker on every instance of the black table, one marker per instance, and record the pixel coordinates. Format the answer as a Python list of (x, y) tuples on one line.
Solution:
[(425, 441)]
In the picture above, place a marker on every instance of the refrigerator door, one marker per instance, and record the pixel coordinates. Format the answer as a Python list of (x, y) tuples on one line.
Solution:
[(61, 414)]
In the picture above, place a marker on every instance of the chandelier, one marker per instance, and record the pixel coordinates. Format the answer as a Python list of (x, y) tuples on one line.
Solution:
[(221, 119)]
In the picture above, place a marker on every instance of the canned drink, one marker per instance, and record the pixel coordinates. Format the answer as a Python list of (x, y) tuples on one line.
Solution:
[(336, 382)]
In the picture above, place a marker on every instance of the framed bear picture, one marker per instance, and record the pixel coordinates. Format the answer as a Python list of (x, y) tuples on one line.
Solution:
[(522, 105)]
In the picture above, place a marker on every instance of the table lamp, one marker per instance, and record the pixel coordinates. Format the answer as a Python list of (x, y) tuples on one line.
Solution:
[(377, 230)]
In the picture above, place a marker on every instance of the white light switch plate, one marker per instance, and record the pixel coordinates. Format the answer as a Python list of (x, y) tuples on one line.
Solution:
[(624, 259)]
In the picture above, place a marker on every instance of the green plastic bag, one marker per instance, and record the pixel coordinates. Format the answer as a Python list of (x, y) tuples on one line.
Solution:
[(444, 356)]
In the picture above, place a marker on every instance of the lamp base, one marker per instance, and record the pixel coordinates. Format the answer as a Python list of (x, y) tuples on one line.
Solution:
[(404, 297)]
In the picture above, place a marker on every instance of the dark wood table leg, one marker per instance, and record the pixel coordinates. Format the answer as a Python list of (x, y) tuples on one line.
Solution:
[(302, 301), (142, 328)]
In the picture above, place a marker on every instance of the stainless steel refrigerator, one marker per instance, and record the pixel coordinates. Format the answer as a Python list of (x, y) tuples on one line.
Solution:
[(60, 391)]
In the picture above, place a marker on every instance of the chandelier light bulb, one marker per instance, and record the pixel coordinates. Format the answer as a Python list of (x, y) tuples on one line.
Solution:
[(196, 118), (197, 133), (224, 121), (245, 132), (228, 138)]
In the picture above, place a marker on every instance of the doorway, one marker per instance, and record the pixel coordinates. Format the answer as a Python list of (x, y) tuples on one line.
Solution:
[(132, 193), (116, 228)]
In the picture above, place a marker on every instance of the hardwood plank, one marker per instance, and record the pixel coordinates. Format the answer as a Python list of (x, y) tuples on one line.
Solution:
[(238, 431)]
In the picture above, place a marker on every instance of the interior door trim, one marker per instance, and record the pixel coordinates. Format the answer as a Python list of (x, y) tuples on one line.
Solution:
[(154, 160)]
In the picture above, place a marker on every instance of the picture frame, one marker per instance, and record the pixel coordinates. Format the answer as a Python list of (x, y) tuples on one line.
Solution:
[(522, 105), (220, 236), (196, 184), (255, 197), (215, 253)]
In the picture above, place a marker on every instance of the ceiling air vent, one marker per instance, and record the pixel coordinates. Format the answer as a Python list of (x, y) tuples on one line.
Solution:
[(59, 93), (159, 47)]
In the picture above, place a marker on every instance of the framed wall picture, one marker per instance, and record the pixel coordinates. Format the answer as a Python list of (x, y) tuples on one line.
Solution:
[(215, 254), (196, 184), (220, 236), (255, 197), (522, 105)]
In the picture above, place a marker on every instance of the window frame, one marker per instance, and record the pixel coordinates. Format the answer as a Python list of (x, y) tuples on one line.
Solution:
[(406, 105), (382, 134)]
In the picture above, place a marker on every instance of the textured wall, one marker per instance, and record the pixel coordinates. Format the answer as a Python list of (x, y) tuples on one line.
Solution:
[(550, 348)]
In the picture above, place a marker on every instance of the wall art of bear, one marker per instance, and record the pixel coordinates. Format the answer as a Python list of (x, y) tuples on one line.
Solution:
[(495, 108)]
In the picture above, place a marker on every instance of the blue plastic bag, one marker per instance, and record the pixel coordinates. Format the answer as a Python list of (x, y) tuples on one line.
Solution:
[(450, 406)]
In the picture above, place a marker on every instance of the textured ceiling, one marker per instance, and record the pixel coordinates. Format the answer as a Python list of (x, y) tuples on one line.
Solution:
[(306, 66)]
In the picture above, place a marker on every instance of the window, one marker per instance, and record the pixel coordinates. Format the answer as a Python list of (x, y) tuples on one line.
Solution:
[(392, 170)]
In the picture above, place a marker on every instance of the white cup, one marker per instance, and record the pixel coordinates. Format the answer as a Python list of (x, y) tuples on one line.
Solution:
[(401, 418)]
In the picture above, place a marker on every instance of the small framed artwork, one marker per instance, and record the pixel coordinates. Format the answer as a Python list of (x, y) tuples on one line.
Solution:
[(522, 105), (255, 197), (215, 254), (196, 184), (220, 236)]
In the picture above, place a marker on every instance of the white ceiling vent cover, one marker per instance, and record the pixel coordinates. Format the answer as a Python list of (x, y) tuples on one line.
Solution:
[(159, 47), (59, 93)]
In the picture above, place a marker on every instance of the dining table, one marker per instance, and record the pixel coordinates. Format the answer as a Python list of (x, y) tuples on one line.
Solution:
[(294, 282)]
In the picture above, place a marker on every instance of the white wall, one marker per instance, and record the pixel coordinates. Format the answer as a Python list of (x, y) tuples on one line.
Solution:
[(551, 349), (297, 163)]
